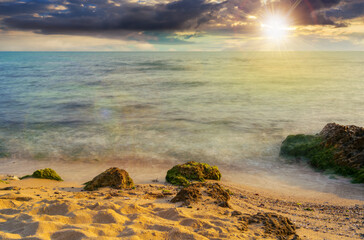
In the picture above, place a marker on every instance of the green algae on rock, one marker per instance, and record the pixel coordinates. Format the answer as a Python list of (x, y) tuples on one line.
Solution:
[(337, 148), (46, 173), (184, 173), (310, 147), (359, 176), (112, 177)]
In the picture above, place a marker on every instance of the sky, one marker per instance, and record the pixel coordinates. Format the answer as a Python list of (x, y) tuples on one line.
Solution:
[(181, 25)]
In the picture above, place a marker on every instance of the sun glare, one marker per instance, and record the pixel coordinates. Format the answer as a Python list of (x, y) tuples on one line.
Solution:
[(276, 28)]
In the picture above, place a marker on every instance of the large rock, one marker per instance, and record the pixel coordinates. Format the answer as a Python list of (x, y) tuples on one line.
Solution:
[(348, 140), (112, 177), (184, 173), (336, 147)]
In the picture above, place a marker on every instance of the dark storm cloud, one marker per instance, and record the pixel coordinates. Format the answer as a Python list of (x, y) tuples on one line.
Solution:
[(348, 11), (102, 15), (22, 7), (119, 18)]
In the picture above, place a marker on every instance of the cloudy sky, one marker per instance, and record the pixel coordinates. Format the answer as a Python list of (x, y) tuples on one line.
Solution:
[(181, 25)]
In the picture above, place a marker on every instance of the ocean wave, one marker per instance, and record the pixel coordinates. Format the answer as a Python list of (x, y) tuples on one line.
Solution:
[(74, 105), (43, 125), (162, 66)]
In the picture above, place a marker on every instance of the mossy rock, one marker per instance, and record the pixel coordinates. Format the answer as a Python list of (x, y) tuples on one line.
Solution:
[(192, 171), (319, 155), (112, 177), (46, 173), (359, 176), (300, 145), (310, 147)]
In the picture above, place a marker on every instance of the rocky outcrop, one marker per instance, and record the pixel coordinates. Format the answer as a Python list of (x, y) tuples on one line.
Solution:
[(192, 171), (349, 142), (112, 177), (336, 147), (196, 191)]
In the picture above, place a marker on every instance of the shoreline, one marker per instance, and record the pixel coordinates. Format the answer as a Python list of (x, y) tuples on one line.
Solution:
[(301, 181), (61, 210)]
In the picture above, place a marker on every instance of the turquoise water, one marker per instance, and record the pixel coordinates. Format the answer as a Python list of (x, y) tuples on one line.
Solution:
[(229, 109)]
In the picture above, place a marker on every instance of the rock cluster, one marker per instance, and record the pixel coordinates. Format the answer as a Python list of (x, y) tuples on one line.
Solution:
[(229, 222), (272, 224)]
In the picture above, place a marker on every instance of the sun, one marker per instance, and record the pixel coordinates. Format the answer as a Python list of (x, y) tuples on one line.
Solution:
[(276, 27)]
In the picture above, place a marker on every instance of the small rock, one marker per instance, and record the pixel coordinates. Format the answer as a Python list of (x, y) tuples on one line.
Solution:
[(108, 196), (224, 204), (236, 213), (10, 188), (11, 177)]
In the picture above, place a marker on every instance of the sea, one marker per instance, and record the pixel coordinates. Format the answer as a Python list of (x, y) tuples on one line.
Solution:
[(157, 109)]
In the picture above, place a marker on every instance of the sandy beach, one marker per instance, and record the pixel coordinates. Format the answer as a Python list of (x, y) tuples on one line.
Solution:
[(46, 209), (145, 112), (181, 119)]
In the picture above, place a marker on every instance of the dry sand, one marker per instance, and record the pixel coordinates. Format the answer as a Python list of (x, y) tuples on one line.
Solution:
[(45, 209)]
